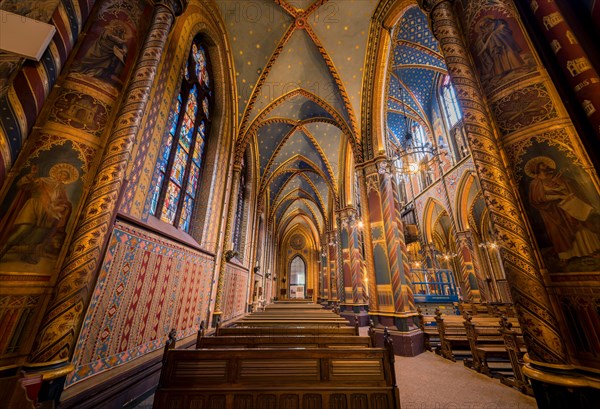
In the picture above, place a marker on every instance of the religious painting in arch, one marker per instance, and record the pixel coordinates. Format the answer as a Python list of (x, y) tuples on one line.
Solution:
[(108, 51), (563, 207), (500, 50), (39, 208)]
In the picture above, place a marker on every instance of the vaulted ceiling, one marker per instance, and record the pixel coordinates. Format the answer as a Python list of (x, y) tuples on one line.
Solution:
[(299, 71), (416, 67)]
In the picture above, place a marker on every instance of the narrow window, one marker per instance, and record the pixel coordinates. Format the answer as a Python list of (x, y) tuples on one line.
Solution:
[(179, 166), (450, 103)]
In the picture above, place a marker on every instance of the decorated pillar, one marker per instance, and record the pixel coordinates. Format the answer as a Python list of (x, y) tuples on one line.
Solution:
[(344, 216), (540, 326), (324, 290), (351, 245), (60, 326), (332, 270), (226, 254), (370, 279), (339, 275), (572, 58), (558, 189), (466, 254), (396, 307)]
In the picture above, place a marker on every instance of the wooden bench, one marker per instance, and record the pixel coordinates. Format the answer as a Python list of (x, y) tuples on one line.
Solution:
[(513, 342), (286, 330), (278, 378), (486, 343), (453, 337), (288, 323), (431, 336), (284, 341), (293, 306)]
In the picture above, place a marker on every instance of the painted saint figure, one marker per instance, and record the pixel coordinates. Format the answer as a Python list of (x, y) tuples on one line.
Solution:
[(496, 47), (106, 58), (39, 213), (571, 222)]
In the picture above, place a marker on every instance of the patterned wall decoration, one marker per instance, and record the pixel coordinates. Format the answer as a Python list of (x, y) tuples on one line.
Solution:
[(234, 292), (147, 285), (23, 91)]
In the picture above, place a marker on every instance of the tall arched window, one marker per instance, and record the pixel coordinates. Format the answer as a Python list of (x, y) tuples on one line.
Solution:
[(298, 271), (179, 165), (450, 103)]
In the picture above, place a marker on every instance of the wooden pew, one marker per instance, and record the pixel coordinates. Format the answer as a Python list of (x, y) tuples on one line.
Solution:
[(284, 341), (428, 325), (286, 330), (513, 342), (279, 378), (293, 306), (453, 337), (485, 342)]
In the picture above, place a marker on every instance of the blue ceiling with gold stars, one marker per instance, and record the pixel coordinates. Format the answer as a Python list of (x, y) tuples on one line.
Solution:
[(299, 72), (415, 70), (298, 66)]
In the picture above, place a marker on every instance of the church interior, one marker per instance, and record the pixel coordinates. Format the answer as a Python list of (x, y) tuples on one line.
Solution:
[(356, 180)]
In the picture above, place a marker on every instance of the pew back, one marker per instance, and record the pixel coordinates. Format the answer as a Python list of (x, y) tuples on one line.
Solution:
[(261, 379)]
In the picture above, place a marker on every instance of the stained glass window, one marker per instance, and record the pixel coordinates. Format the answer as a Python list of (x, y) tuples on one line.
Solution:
[(450, 102), (179, 164)]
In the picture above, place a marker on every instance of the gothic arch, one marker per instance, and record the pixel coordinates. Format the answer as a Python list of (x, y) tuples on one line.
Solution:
[(465, 195)]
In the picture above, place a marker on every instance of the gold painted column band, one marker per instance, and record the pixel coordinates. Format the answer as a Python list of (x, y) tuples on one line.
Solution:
[(540, 328), (62, 321), (237, 173)]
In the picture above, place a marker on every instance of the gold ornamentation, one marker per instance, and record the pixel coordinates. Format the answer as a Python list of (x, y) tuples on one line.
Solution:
[(530, 296), (59, 329)]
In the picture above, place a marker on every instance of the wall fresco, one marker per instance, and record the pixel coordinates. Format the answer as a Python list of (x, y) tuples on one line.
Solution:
[(23, 91), (39, 206), (500, 50), (563, 207)]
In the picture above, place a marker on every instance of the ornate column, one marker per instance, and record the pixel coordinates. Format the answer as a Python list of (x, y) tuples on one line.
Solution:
[(370, 284), (62, 321), (333, 266), (351, 245), (571, 57), (384, 230), (540, 326), (324, 291), (345, 267), (225, 255), (464, 247)]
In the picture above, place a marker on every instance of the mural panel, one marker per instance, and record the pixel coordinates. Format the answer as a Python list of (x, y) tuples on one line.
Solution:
[(38, 208), (563, 207), (502, 55)]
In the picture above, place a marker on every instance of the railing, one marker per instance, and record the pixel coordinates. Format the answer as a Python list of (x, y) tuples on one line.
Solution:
[(434, 285)]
